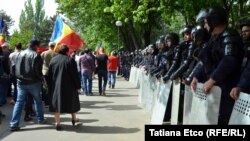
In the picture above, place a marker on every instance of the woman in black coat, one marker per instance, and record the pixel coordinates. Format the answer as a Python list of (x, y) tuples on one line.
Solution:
[(63, 86)]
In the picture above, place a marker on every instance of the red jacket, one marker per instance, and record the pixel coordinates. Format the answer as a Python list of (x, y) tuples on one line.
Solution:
[(113, 63)]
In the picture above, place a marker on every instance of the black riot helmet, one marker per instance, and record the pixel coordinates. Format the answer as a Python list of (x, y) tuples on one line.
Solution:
[(201, 17), (200, 34), (159, 41), (186, 29), (173, 37), (216, 16), (152, 49), (151, 46), (244, 22), (161, 38)]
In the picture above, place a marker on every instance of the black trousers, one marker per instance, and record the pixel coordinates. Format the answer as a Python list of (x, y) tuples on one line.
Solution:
[(45, 95), (102, 75)]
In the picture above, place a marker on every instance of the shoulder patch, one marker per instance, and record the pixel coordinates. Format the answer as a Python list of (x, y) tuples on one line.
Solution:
[(229, 32)]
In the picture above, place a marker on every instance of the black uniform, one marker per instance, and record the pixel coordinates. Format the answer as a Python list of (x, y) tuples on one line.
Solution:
[(222, 62), (186, 59), (180, 53)]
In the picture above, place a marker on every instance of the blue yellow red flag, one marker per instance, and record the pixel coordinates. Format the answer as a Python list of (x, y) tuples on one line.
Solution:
[(63, 34), (1, 32)]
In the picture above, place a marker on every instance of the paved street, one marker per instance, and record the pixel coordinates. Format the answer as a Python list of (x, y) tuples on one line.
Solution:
[(115, 117)]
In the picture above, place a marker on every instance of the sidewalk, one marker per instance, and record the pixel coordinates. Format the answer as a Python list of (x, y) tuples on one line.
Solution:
[(115, 117)]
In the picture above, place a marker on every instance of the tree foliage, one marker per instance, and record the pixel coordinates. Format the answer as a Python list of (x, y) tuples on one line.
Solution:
[(143, 20), (23, 37), (33, 24), (33, 17), (96, 25)]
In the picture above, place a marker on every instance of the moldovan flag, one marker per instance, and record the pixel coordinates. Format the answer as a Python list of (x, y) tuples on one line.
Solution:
[(63, 34), (1, 32)]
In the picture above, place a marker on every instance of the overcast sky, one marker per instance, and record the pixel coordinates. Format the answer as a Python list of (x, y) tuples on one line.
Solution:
[(13, 8)]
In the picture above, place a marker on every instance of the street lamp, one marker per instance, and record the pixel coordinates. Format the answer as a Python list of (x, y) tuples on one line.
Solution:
[(118, 24)]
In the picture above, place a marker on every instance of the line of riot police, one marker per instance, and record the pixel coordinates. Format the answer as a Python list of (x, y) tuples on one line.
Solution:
[(210, 53)]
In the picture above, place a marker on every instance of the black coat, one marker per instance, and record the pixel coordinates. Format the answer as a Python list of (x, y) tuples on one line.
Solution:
[(4, 69), (63, 85)]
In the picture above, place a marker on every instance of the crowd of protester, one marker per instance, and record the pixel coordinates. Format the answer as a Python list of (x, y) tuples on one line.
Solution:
[(38, 76)]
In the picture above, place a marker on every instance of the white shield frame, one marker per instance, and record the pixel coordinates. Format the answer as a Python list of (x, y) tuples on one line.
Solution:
[(241, 110)]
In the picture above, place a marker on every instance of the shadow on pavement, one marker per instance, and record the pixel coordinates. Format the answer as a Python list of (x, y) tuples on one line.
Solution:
[(119, 95), (122, 107), (68, 120), (124, 88), (82, 113), (115, 90), (106, 130), (90, 105), (79, 128)]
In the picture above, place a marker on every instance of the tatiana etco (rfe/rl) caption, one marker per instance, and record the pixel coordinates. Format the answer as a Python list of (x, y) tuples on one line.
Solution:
[(196, 132)]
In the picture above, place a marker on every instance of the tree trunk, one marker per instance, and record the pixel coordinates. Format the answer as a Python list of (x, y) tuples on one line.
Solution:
[(241, 8), (233, 18), (133, 35), (126, 38), (125, 41), (228, 6), (147, 35)]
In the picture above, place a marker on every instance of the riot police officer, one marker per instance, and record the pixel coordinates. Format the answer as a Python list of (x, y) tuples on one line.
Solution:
[(201, 17), (221, 60), (244, 85), (161, 47), (152, 62), (171, 41), (200, 37), (181, 52)]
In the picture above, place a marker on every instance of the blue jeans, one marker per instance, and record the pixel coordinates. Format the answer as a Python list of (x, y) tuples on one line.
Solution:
[(23, 90), (112, 78), (80, 75), (87, 83), (102, 74)]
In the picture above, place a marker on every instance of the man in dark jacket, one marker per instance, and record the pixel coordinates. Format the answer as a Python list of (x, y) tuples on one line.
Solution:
[(102, 72), (4, 77), (4, 73), (29, 74)]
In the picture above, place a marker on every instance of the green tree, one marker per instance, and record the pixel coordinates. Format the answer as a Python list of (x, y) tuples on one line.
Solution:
[(92, 23), (44, 30), (33, 17), (23, 37), (33, 23), (143, 20)]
